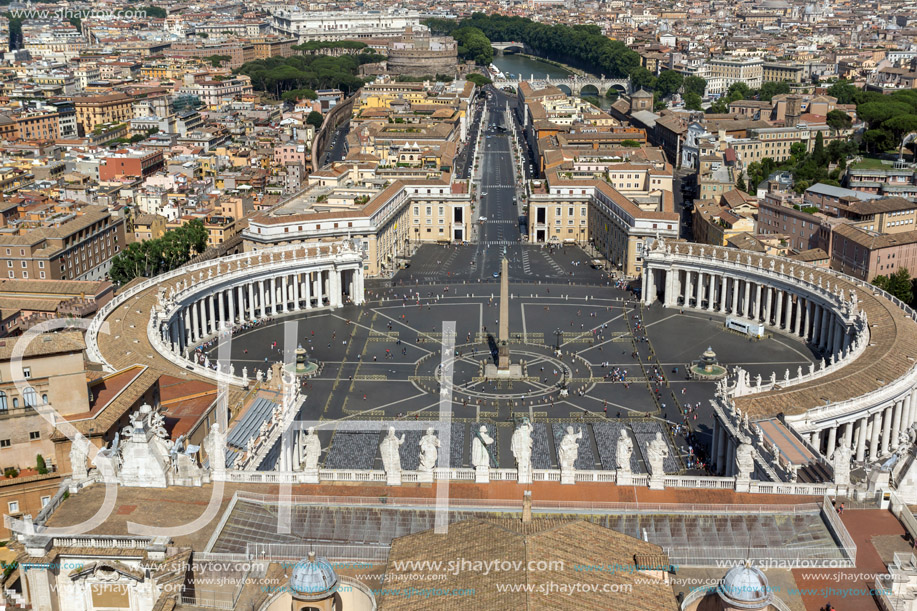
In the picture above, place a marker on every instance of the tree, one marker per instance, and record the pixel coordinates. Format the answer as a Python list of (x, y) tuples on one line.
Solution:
[(769, 90), (798, 150), (692, 101), (473, 45), (641, 78), (740, 184), (152, 257), (668, 83), (315, 119), (696, 85), (478, 79), (897, 284), (217, 60), (40, 464), (818, 150), (738, 91), (838, 120), (612, 94), (844, 92)]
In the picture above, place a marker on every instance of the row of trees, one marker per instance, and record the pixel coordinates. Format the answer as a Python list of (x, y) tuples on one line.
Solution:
[(473, 45), (888, 117), (280, 74), (152, 257), (582, 46)]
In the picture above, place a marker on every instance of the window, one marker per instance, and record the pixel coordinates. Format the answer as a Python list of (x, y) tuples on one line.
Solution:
[(3, 406), (15, 402), (33, 435), (4, 443), (45, 500), (13, 506), (30, 397), (27, 372), (44, 398)]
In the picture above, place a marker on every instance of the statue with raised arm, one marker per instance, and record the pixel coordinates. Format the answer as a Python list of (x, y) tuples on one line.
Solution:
[(624, 450), (429, 450), (391, 457), (657, 451), (521, 446)]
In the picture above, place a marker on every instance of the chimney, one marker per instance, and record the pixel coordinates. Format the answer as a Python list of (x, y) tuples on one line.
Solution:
[(526, 506)]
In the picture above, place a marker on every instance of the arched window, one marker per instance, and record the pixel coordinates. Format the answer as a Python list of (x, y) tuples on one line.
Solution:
[(44, 399), (15, 402), (30, 397), (3, 406)]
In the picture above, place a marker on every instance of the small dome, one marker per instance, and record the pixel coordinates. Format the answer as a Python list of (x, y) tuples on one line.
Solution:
[(745, 587), (313, 579)]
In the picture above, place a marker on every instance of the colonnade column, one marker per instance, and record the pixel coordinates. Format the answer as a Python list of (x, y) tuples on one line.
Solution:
[(778, 319), (886, 428), (745, 302), (735, 296), (194, 327), (861, 439), (689, 287), (307, 289), (799, 314), (722, 302), (767, 306), (832, 441), (896, 424), (319, 288), (251, 301), (874, 436), (296, 305), (807, 324), (757, 308)]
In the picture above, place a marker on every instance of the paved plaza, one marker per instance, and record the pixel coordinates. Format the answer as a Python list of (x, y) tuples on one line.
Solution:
[(623, 364), (592, 356)]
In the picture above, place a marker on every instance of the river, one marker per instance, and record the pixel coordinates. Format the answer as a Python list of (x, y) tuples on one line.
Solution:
[(529, 67)]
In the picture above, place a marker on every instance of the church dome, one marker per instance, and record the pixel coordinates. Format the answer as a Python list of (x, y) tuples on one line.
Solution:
[(313, 579), (745, 587)]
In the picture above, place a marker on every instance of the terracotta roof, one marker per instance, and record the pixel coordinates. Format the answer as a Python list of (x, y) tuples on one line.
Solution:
[(45, 344), (572, 544)]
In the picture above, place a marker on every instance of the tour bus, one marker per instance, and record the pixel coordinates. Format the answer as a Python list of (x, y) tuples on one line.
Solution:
[(750, 328)]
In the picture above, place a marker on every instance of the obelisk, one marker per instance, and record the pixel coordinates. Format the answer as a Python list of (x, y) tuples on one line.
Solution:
[(503, 338)]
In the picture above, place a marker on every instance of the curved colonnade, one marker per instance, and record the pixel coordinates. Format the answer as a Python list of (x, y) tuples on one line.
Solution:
[(861, 396), (166, 317)]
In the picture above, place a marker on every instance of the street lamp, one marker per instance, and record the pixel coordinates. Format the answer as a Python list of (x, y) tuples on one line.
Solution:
[(558, 333)]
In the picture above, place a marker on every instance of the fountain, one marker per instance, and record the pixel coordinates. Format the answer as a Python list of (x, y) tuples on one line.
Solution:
[(707, 367)]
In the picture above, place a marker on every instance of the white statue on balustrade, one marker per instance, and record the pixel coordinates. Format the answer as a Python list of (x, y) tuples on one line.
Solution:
[(840, 460), (657, 451), (480, 456), (745, 459), (215, 447), (429, 450), (567, 454), (310, 449), (623, 453), (391, 457), (521, 446), (79, 452)]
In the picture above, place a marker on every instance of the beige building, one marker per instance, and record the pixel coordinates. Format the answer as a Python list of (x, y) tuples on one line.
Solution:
[(101, 109), (389, 223), (592, 211), (52, 373), (778, 72)]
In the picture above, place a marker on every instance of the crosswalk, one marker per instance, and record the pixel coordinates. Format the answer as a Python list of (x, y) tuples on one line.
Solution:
[(498, 242)]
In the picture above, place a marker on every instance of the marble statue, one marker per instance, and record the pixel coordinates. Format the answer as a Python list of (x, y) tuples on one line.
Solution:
[(624, 451), (657, 451), (480, 456), (311, 450), (568, 451), (214, 445), (79, 451), (758, 380), (786, 376), (521, 446), (391, 456), (799, 372), (745, 460), (429, 450), (840, 460)]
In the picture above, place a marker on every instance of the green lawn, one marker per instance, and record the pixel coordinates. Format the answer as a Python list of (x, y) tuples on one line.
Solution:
[(871, 164)]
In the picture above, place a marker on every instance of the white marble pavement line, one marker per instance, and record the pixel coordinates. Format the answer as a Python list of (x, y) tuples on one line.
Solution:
[(441, 517)]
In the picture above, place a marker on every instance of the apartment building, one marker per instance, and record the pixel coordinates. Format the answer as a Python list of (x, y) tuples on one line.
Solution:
[(867, 254), (75, 245), (779, 72), (93, 111), (134, 163), (722, 72)]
